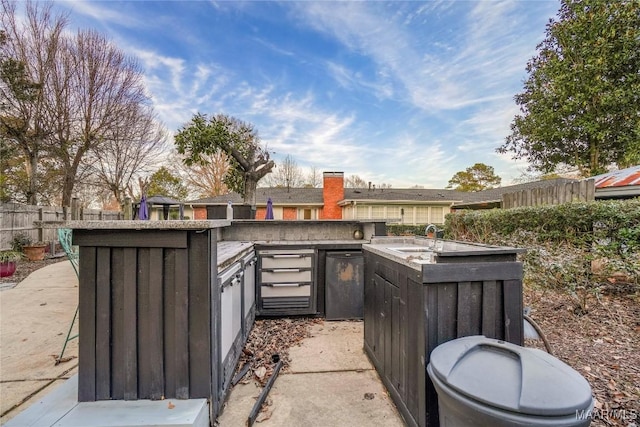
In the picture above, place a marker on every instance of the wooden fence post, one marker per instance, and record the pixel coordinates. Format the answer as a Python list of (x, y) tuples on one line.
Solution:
[(128, 209), (40, 229), (75, 209)]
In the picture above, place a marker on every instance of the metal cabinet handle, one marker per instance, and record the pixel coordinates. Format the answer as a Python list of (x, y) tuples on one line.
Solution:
[(287, 256), (285, 270), (284, 285)]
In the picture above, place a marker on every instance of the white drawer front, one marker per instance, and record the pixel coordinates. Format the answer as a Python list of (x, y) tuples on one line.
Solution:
[(287, 261), (286, 275), (285, 290)]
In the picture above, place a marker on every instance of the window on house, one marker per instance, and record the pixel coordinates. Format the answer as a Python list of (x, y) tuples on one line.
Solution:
[(377, 212), (393, 212), (362, 212), (437, 215), (422, 215)]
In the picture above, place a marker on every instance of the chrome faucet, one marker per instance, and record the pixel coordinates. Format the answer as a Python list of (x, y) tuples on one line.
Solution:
[(435, 233)]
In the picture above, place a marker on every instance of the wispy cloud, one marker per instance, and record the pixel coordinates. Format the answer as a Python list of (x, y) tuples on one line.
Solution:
[(102, 12), (399, 92)]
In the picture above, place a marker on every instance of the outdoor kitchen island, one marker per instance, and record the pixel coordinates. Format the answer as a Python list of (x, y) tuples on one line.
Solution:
[(420, 293), (166, 306)]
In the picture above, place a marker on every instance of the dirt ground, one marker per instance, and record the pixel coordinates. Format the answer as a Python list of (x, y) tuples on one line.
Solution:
[(603, 343)]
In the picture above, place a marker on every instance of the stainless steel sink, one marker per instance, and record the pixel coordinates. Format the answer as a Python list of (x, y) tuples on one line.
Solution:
[(416, 254), (410, 249)]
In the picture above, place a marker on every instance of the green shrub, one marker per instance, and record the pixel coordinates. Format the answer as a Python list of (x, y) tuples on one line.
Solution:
[(562, 241), (405, 230), (20, 240)]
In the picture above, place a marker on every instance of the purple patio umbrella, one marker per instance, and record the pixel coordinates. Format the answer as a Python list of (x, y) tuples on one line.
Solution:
[(269, 214), (143, 210)]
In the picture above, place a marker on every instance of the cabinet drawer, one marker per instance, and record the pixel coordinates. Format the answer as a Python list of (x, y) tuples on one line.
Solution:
[(285, 290), (285, 275), (287, 258)]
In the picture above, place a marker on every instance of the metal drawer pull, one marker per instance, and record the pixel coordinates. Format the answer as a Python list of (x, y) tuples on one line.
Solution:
[(285, 270), (284, 285), (288, 256)]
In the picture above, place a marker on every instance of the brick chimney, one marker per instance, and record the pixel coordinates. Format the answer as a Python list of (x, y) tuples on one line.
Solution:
[(332, 193)]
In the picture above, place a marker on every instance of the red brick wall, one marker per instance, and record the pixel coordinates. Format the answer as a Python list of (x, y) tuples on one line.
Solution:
[(289, 213), (332, 193), (199, 212), (260, 212)]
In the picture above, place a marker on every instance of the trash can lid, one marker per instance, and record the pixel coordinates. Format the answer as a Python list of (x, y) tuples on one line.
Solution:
[(506, 376)]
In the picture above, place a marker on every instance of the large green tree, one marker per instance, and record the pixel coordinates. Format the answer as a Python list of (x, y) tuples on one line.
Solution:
[(475, 178), (205, 136), (581, 101), (164, 183)]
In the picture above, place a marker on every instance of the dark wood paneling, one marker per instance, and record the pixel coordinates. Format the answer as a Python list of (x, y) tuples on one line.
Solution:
[(447, 311), (415, 345), (465, 307), (181, 337), (447, 273), (199, 316), (513, 309), (369, 293), (117, 323), (87, 326), (396, 344), (150, 355), (169, 322), (378, 343), (321, 293), (130, 315), (131, 238), (489, 308), (103, 323), (156, 315)]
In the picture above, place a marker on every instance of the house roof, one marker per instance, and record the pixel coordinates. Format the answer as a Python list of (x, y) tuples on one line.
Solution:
[(624, 183), (162, 200), (279, 196), (619, 178), (314, 197), (401, 195)]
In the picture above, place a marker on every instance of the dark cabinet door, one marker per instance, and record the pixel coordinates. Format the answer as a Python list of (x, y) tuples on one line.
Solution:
[(379, 319), (344, 278)]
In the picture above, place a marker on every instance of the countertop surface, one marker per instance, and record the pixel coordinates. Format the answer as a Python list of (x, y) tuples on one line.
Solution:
[(417, 251), (309, 242), (136, 224), (231, 251)]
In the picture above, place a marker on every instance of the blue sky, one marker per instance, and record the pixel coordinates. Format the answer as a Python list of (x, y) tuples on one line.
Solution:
[(403, 93)]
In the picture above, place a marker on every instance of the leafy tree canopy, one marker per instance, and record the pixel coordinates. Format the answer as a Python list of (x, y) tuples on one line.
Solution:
[(205, 136), (581, 101), (475, 178), (164, 183)]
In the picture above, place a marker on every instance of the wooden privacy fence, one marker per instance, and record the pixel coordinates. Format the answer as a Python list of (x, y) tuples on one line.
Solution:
[(579, 191), (18, 218)]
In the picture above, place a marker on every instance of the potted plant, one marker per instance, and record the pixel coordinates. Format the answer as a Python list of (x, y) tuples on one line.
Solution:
[(34, 251), (8, 262)]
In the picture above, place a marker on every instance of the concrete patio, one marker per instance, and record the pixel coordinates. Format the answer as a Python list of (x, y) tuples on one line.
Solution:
[(330, 382)]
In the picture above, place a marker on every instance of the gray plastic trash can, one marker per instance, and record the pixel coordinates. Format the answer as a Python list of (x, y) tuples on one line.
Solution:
[(487, 382)]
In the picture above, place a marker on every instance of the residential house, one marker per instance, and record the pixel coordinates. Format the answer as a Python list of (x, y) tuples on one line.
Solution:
[(409, 206), (334, 201)]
